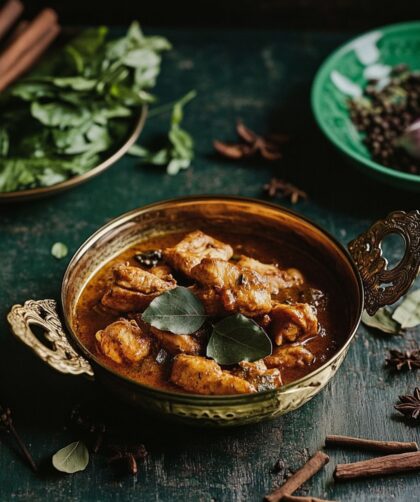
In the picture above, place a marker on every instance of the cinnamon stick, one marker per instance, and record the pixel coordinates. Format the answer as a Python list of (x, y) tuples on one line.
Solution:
[(371, 444), (312, 466), (293, 498), (36, 30), (9, 14), (29, 58), (388, 464)]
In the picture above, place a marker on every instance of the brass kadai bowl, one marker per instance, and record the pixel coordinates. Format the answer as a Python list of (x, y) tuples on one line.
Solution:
[(364, 278)]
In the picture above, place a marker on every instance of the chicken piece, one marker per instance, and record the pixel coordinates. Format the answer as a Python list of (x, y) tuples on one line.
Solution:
[(258, 375), (193, 248), (276, 278), (123, 341), (240, 289), (210, 299), (204, 376), (176, 344), (134, 288), (289, 356), (164, 272), (290, 322)]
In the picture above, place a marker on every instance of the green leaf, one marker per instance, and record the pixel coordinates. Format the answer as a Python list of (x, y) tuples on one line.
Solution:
[(408, 312), (382, 320), (72, 458), (59, 250), (177, 311), (176, 165), (58, 114), (237, 338), (4, 143)]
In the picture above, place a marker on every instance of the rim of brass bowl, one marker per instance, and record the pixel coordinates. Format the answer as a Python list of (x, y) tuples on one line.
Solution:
[(234, 398), (38, 193)]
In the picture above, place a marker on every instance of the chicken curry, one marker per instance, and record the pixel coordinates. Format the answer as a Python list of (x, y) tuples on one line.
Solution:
[(284, 291)]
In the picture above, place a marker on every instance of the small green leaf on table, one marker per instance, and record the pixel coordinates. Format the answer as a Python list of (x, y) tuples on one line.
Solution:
[(59, 250), (178, 311), (72, 458), (408, 312), (382, 321), (237, 338)]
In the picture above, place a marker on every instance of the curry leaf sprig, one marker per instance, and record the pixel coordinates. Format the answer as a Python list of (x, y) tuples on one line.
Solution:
[(179, 151), (76, 106), (233, 339)]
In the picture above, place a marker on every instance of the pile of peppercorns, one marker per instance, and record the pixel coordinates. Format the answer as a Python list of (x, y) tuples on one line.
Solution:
[(384, 114)]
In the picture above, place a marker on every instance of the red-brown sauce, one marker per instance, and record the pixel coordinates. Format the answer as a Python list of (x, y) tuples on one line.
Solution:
[(320, 288)]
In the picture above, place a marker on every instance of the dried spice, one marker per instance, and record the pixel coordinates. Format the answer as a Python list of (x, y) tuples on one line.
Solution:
[(279, 187), (6, 422), (384, 113), (409, 405), (128, 454), (403, 359), (149, 258), (84, 421), (269, 147)]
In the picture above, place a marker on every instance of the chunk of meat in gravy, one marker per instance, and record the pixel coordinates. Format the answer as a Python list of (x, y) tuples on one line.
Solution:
[(176, 344), (259, 375), (239, 288), (210, 299), (193, 248), (164, 272), (289, 356), (275, 277), (290, 322), (204, 376), (134, 288), (123, 341)]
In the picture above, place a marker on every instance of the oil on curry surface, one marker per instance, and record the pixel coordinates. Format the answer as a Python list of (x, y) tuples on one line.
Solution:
[(293, 297)]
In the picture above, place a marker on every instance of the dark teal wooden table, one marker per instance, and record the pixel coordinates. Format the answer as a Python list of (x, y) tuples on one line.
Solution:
[(264, 78)]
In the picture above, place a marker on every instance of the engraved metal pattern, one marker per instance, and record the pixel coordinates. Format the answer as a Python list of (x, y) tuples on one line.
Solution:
[(385, 286), (43, 313)]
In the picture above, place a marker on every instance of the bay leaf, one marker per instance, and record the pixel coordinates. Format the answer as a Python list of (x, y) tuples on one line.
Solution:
[(237, 338), (178, 311), (408, 312), (382, 320), (72, 458)]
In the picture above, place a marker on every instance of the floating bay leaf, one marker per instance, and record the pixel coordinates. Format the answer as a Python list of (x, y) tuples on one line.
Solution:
[(382, 320), (178, 311), (237, 338), (408, 312), (72, 458)]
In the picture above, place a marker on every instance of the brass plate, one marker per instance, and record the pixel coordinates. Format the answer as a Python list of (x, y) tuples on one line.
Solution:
[(38, 193)]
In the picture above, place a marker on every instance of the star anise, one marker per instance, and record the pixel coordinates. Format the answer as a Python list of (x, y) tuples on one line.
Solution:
[(277, 186), (407, 359), (269, 147), (410, 405)]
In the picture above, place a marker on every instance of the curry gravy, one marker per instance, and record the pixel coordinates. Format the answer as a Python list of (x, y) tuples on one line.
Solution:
[(319, 289)]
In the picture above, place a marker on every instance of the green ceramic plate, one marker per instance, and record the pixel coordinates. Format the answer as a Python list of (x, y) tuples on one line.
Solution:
[(386, 46)]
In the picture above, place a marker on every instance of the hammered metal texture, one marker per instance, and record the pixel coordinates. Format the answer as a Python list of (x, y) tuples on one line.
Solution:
[(43, 313)]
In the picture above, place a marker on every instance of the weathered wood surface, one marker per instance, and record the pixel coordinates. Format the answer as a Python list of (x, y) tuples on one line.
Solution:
[(263, 78)]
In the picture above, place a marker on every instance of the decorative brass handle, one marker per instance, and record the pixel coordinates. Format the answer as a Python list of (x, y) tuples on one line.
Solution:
[(385, 286), (43, 313)]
